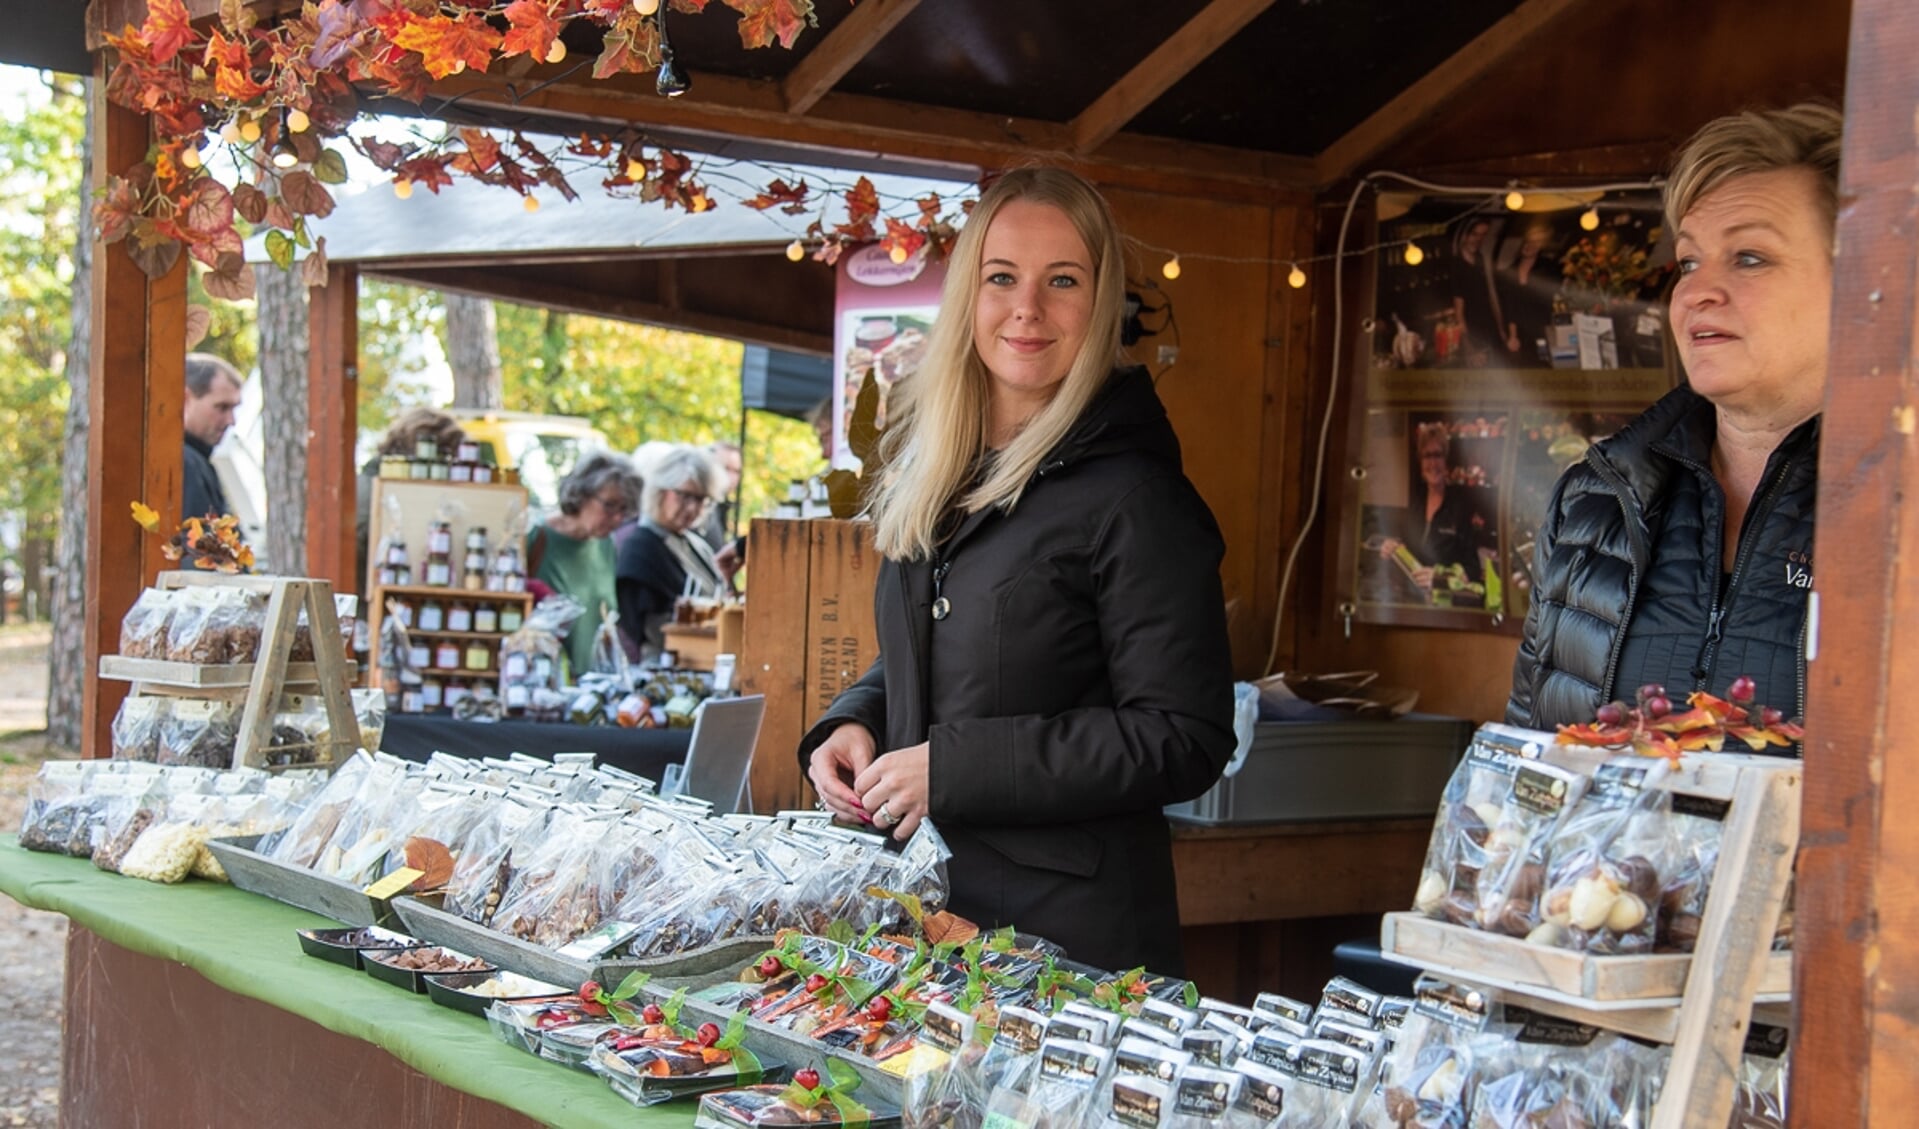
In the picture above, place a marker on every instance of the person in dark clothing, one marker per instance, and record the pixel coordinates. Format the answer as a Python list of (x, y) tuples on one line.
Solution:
[(1680, 552), (213, 392), (665, 557), (1469, 278), (1526, 289), (1053, 663), (1446, 527)]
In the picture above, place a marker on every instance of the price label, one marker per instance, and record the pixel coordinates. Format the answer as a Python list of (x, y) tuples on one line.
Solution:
[(394, 883)]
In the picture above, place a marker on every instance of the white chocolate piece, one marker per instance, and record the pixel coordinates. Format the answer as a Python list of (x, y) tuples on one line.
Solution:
[(1443, 1085), (1627, 914), (1488, 813), (1592, 902), (1432, 891), (1548, 933)]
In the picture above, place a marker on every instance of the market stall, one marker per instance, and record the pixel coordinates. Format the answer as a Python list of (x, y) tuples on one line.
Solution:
[(1514, 100)]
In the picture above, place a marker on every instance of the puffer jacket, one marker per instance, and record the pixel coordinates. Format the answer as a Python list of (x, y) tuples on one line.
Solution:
[(1628, 584), (1080, 681)]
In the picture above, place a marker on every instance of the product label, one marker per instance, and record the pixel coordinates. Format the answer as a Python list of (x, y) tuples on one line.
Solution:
[(1392, 1012), (1283, 1006), (1261, 1096), (1204, 1093), (1551, 1031), (1239, 1033), (1075, 1027), (1138, 1103), (947, 1028), (1020, 1030), (1207, 1046), (602, 938), (1330, 1012), (1492, 759), (394, 883), (1072, 1061), (1616, 784), (1103, 1021), (1538, 790), (1330, 1068), (1275, 1050), (1141, 1058), (1765, 1041), (1702, 806), (1362, 1039), (1170, 1017), (1345, 993)]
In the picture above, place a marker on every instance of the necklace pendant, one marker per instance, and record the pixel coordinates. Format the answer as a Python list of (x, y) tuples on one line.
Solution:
[(942, 608)]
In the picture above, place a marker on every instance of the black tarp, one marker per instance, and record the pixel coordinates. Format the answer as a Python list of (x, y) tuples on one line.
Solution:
[(790, 384)]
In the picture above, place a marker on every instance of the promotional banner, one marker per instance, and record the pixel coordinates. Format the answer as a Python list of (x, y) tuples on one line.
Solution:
[(883, 314)]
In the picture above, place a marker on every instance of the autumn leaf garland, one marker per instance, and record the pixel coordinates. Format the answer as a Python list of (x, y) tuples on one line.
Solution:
[(296, 84)]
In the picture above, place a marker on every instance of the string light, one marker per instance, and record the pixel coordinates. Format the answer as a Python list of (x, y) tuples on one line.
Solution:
[(1515, 200), (646, 7), (1589, 219), (250, 131), (403, 188), (795, 251), (556, 52), (532, 204), (297, 120), (898, 254), (284, 155), (1297, 279), (230, 132), (190, 158), (1414, 256), (1171, 269)]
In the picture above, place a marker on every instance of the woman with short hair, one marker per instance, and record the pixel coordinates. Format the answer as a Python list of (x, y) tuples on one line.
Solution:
[(1053, 665), (1679, 553), (665, 557), (571, 552)]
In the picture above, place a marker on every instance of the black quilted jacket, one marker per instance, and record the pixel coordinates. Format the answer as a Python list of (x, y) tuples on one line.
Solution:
[(1628, 586)]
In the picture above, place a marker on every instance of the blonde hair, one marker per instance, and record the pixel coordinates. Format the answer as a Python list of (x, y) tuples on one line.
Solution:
[(938, 432), (1805, 136)]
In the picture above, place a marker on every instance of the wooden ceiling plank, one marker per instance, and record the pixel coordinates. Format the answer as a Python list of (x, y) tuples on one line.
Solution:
[(1428, 97), (487, 283), (824, 65), (745, 108), (1185, 49)]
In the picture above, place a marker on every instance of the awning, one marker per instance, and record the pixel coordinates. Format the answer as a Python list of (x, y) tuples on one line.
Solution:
[(776, 380)]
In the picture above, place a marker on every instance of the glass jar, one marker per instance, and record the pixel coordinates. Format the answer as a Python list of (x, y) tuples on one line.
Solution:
[(396, 553), (432, 693), (439, 538), (476, 542), (459, 617), (432, 616), (419, 470), (393, 466), (447, 656), (473, 578), (438, 471), (419, 656), (486, 619), (457, 690), (514, 666), (511, 616), (479, 656), (457, 471), (482, 473), (439, 571), (425, 448), (401, 610), (468, 451)]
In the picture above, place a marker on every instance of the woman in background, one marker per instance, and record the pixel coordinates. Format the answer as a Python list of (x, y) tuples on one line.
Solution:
[(571, 552), (666, 558)]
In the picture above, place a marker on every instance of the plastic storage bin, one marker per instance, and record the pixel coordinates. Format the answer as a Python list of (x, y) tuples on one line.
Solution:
[(1347, 769)]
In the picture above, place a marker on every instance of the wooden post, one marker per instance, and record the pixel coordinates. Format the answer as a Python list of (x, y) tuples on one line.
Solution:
[(135, 400), (1857, 913), (333, 413), (773, 657)]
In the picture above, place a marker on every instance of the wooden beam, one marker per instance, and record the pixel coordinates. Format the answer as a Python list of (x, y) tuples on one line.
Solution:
[(1425, 99), (1857, 915), (333, 415), (1185, 49), (846, 45), (134, 407), (485, 283), (727, 107)]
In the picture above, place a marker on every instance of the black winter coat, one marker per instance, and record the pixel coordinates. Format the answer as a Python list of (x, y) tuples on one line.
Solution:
[(1628, 584), (1081, 681), (200, 492)]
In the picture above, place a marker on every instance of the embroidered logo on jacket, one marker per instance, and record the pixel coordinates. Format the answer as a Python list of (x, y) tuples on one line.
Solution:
[(1798, 569)]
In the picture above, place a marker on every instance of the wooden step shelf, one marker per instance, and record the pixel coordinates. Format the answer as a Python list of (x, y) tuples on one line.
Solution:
[(160, 673)]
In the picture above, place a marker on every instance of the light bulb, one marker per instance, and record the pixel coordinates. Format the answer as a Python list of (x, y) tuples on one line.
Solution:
[(403, 188), (1515, 199), (250, 131), (556, 52), (531, 204), (646, 7), (1297, 279), (230, 133), (297, 120), (190, 158), (284, 157), (795, 251), (1171, 269), (1589, 219), (1414, 256), (635, 170), (897, 254)]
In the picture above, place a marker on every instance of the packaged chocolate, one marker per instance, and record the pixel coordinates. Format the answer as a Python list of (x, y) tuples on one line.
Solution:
[(301, 842), (767, 1105), (1135, 1102), (1332, 1083), (943, 1094), (215, 625), (1509, 884), (126, 814), (1759, 1098), (1605, 865), (1471, 805), (56, 803), (1204, 1096), (1261, 1100), (651, 1066)]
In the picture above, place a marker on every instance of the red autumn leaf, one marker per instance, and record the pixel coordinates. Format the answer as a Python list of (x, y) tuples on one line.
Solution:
[(1720, 707), (555, 179), (384, 154), (789, 198), (199, 321), (903, 237), (336, 31), (1599, 735), (152, 249), (231, 279), (305, 195), (1687, 721), (604, 12), (862, 208), (167, 29), (482, 152), (207, 207), (278, 215), (428, 172), (531, 28), (448, 45), (1656, 745), (115, 212), (929, 207), (764, 21), (632, 44)]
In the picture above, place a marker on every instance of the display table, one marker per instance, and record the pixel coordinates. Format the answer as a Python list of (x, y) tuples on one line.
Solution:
[(645, 752), (193, 1004)]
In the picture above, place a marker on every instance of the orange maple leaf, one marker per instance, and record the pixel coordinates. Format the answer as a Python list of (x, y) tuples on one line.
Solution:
[(448, 45), (1595, 735), (531, 28), (167, 29), (482, 152), (763, 21)]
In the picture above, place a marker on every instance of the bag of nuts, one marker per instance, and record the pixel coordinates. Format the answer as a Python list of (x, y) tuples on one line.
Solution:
[(143, 630), (216, 625), (201, 733), (124, 818), (1604, 866), (137, 728)]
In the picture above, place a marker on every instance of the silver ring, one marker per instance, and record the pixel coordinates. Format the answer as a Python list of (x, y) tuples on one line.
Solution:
[(883, 817)]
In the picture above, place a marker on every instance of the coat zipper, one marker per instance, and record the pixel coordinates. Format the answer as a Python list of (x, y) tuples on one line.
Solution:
[(1639, 553), (1716, 622)]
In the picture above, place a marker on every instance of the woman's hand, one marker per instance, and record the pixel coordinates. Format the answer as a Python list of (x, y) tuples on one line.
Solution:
[(897, 782), (845, 755)]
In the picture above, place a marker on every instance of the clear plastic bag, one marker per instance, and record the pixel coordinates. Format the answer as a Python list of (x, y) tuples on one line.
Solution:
[(166, 851), (1759, 1099), (1334, 1081), (1510, 883), (550, 900), (214, 626), (484, 869), (301, 730), (345, 611), (200, 733), (143, 630), (371, 828), (123, 819), (1605, 864), (58, 808), (1457, 852), (302, 841), (137, 728)]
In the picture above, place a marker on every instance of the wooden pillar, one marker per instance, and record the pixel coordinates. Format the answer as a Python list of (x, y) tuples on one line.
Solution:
[(135, 452), (1856, 978), (333, 414)]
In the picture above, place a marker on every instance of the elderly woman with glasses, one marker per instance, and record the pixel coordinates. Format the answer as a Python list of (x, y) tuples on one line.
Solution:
[(665, 558), (570, 552)]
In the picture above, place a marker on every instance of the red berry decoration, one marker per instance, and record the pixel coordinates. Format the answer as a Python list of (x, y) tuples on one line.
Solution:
[(1742, 690), (880, 1009), (652, 1014), (1658, 706), (1651, 690), (1137, 987), (590, 990), (771, 967), (816, 983), (709, 1034), (806, 1078), (1771, 716), (1612, 713), (591, 1008)]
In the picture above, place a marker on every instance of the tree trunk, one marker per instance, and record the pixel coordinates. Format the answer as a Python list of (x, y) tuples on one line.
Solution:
[(473, 349), (66, 658), (282, 317)]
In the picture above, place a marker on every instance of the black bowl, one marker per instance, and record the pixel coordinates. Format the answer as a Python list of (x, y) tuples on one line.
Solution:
[(343, 946), (455, 990), (414, 980)]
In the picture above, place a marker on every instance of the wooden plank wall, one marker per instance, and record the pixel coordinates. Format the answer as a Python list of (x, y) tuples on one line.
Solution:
[(1857, 939)]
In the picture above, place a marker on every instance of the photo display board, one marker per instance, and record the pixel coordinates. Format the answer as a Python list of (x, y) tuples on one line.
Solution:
[(1515, 341)]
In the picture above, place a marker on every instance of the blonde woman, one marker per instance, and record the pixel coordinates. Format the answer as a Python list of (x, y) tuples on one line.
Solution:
[(1053, 662)]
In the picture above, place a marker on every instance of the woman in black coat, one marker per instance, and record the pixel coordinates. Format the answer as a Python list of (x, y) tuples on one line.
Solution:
[(1053, 662)]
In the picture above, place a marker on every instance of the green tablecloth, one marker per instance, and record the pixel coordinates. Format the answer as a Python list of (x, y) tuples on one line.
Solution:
[(246, 944)]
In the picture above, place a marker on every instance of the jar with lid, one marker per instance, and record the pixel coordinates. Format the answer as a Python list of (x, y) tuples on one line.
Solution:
[(511, 616), (401, 610), (439, 538), (482, 472), (457, 690), (438, 471), (432, 693), (458, 471), (419, 470), (432, 616), (514, 666), (446, 656), (419, 656), (439, 571), (396, 553), (479, 656), (459, 617), (426, 448), (473, 577), (394, 466), (468, 451), (486, 619)]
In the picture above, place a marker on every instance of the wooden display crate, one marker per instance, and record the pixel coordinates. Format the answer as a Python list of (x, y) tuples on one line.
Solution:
[(1700, 1003)]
